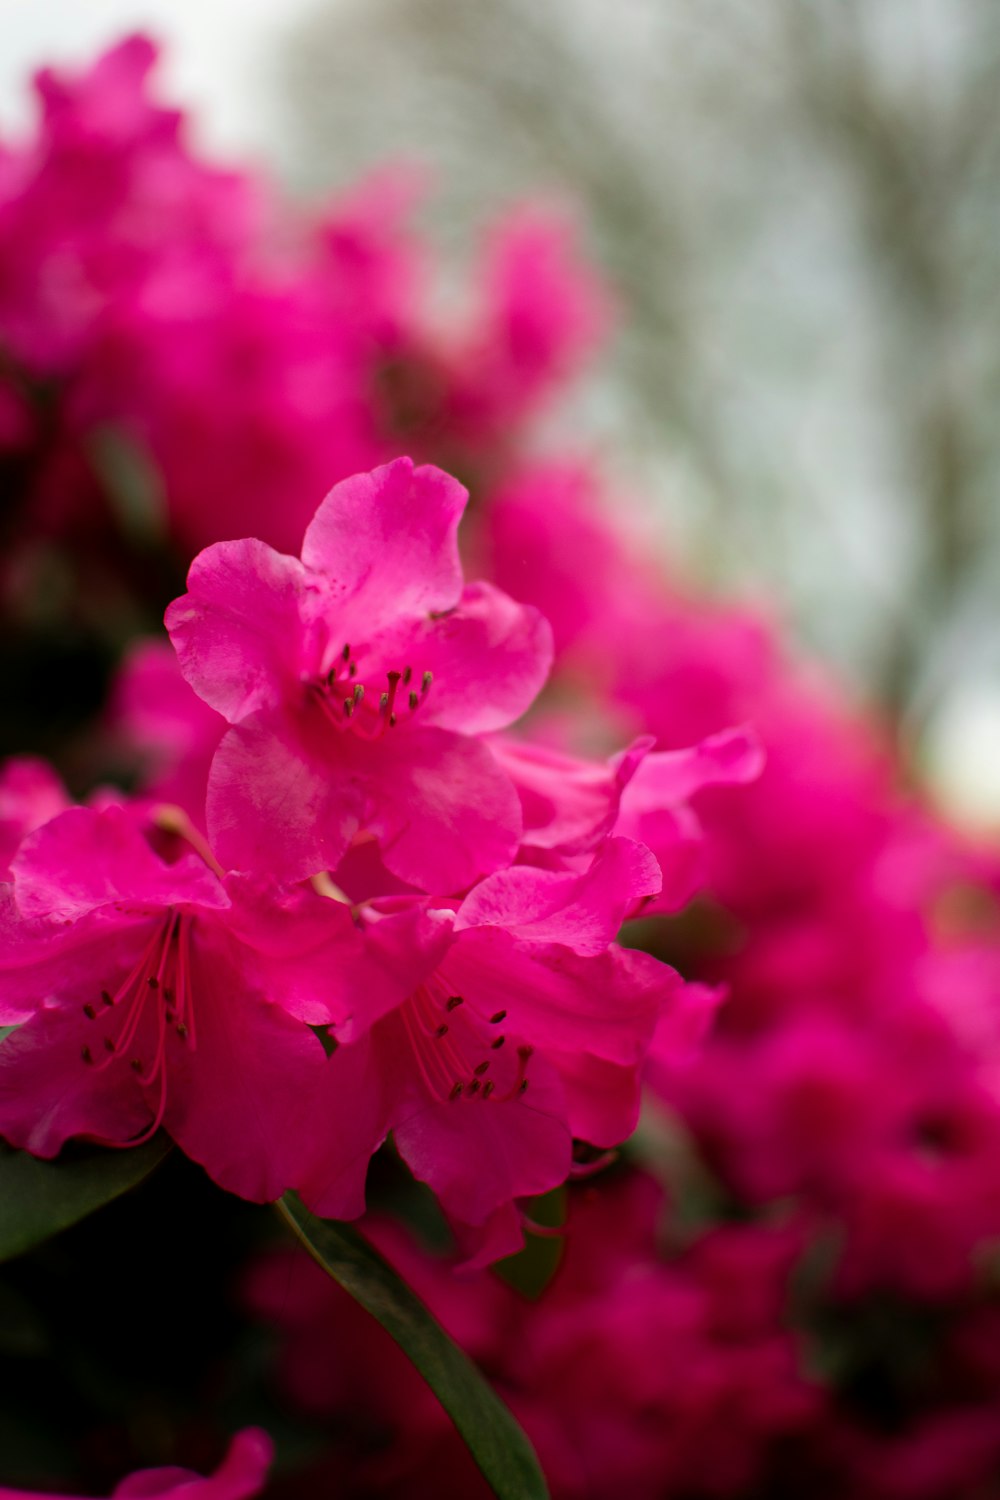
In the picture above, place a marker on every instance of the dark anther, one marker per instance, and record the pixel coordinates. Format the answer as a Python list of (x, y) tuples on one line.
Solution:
[(89, 1012), (441, 1031), (85, 1053), (182, 1031), (153, 982), (168, 994), (407, 676), (348, 707), (414, 700), (392, 721), (170, 1016), (474, 1087), (331, 677), (480, 1068), (136, 1065), (522, 1087), (487, 1088), (426, 681), (109, 1043), (346, 653), (454, 1002), (106, 998), (352, 669), (501, 1015), (498, 1043), (456, 1092)]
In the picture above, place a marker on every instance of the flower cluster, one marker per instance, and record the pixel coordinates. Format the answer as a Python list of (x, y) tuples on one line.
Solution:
[(851, 940), (385, 917)]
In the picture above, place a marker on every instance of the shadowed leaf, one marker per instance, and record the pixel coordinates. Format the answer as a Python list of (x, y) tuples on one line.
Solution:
[(40, 1198), (494, 1439)]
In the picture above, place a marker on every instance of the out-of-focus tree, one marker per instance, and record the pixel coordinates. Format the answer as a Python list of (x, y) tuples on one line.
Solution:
[(798, 203)]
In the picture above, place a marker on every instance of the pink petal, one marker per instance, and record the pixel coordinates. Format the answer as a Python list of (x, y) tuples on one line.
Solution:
[(84, 859), (350, 1121), (241, 1475), (330, 963), (386, 543), (489, 658), (277, 799), (568, 804), (602, 1098), (607, 1005), (241, 1088), (238, 631), (478, 1154), (583, 912), (48, 1093), (733, 757), (443, 810)]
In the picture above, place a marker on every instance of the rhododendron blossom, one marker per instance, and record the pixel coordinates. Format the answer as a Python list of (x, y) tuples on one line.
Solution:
[(240, 1476), (160, 991), (528, 1028), (357, 682)]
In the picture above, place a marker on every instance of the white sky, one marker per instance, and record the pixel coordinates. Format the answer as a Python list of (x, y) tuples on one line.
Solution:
[(216, 62)]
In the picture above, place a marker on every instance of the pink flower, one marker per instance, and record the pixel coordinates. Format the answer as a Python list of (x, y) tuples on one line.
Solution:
[(240, 1475), (357, 682), (30, 794), (161, 992), (528, 1028), (172, 733)]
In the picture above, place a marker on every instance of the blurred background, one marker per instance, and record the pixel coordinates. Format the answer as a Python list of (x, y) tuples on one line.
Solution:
[(797, 205)]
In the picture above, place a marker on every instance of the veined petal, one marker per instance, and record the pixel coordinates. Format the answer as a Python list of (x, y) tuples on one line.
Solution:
[(488, 660), (386, 545), (569, 804), (278, 800), (444, 812), (238, 631), (606, 1005), (477, 1155), (350, 1120), (330, 963), (240, 1101), (48, 1093), (582, 912), (667, 777), (87, 858)]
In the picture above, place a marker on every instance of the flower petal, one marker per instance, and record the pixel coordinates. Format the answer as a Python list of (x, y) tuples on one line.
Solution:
[(386, 545), (241, 1089), (606, 1005), (583, 912), (48, 1093), (238, 631), (488, 660), (87, 858)]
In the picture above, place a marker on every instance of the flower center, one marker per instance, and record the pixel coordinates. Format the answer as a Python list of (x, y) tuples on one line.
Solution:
[(131, 1024), (350, 703), (458, 1054)]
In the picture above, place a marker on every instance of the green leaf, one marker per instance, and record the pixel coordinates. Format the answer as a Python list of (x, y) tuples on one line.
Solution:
[(494, 1439), (39, 1198), (132, 485)]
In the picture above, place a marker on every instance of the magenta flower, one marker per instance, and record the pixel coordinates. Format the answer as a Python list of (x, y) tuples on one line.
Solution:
[(240, 1475), (357, 681), (162, 992), (529, 1028)]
